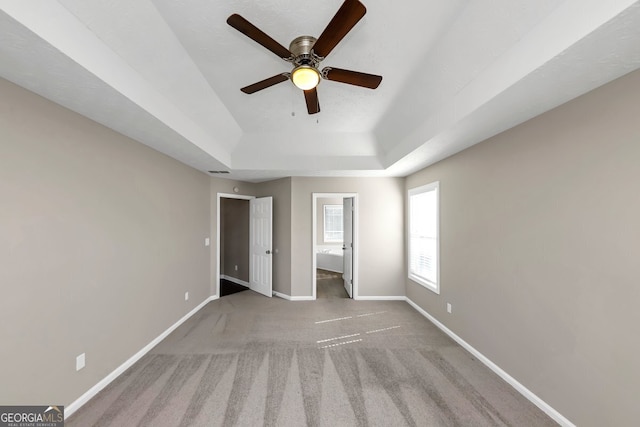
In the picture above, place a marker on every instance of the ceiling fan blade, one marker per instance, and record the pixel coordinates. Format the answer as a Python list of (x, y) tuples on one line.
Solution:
[(344, 20), (356, 78), (263, 84), (313, 105), (257, 35)]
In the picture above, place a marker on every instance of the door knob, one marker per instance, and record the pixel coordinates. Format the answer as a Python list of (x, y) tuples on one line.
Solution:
[(268, 252)]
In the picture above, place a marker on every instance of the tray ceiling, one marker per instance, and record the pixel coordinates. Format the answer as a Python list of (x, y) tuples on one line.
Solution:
[(167, 73)]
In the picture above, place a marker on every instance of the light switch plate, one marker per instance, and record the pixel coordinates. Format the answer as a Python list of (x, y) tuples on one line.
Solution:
[(80, 362)]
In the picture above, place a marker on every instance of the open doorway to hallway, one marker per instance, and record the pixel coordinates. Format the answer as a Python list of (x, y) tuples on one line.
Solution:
[(335, 217), (244, 240), (234, 245)]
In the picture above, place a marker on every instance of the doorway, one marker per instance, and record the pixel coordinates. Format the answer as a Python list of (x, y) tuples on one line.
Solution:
[(234, 246), (243, 244), (335, 248)]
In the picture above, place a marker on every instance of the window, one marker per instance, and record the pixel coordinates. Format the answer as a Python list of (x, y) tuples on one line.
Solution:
[(423, 236), (333, 223)]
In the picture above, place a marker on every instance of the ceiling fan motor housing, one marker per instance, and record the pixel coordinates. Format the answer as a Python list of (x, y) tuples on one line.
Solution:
[(301, 49)]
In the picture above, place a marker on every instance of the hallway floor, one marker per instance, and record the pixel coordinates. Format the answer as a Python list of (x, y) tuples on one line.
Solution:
[(330, 285)]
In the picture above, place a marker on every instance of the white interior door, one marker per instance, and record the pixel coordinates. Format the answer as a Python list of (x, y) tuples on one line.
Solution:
[(347, 246), (260, 237)]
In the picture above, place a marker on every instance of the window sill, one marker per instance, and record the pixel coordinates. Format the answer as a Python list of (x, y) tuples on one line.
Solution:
[(433, 287)]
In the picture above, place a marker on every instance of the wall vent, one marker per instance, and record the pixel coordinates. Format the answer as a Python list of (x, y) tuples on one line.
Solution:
[(218, 171)]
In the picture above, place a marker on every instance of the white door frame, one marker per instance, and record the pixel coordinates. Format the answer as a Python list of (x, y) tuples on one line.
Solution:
[(223, 196), (356, 246)]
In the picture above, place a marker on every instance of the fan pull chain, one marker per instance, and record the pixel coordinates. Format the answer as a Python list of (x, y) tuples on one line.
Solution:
[(292, 92)]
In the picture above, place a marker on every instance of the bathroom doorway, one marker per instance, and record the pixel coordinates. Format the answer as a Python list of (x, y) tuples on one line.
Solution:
[(335, 248)]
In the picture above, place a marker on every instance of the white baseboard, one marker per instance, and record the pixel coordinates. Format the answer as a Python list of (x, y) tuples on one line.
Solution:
[(380, 298), (77, 404), (234, 280), (283, 296), (290, 298), (557, 416)]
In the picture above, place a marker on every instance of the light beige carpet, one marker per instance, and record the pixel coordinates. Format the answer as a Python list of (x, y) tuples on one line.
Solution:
[(248, 360)]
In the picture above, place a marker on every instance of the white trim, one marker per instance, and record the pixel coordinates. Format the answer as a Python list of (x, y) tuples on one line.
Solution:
[(544, 406), (283, 296), (381, 298), (77, 404), (223, 196), (314, 239), (290, 298), (234, 280), (302, 298)]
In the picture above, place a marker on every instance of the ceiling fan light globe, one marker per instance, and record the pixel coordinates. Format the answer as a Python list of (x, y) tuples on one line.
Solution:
[(305, 77)]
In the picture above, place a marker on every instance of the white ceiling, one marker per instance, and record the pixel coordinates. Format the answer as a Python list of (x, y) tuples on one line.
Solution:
[(167, 73)]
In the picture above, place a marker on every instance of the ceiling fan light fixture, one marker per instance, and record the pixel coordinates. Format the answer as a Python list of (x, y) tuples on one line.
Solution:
[(305, 53), (305, 77)]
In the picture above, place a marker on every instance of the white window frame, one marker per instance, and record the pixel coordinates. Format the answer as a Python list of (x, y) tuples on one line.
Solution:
[(324, 224), (434, 186)]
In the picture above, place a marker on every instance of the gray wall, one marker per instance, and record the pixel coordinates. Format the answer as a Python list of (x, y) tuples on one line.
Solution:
[(381, 237), (540, 239), (280, 190), (100, 239), (234, 238)]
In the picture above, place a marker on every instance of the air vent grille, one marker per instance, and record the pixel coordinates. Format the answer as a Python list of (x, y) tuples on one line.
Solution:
[(218, 171)]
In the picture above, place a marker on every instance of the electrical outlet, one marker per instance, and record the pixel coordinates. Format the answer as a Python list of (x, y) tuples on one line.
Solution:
[(236, 267), (448, 308), (80, 362), (186, 296), (207, 242)]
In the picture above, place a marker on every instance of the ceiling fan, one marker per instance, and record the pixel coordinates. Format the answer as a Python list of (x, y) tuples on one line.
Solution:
[(306, 53)]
